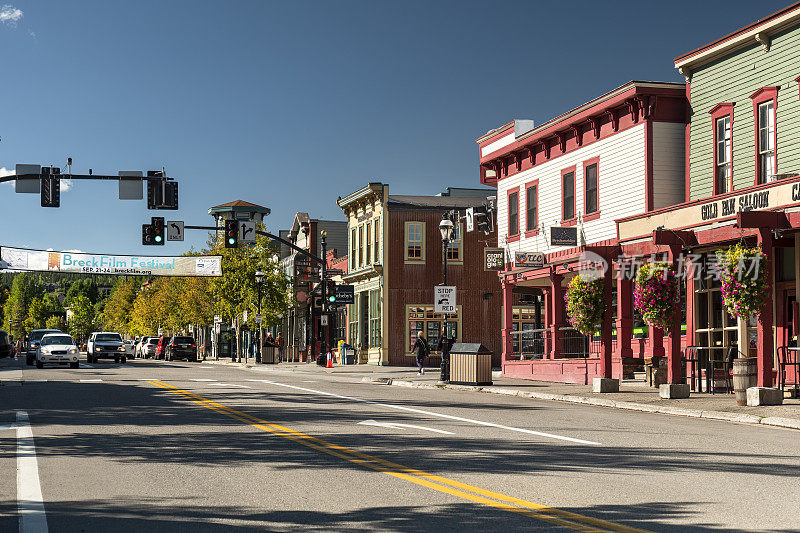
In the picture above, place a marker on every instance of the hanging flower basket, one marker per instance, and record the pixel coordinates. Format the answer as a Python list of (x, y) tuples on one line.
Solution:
[(743, 273), (657, 295), (585, 304)]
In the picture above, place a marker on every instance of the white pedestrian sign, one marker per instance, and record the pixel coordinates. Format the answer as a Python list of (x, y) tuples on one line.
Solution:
[(247, 231), (174, 230), (444, 299)]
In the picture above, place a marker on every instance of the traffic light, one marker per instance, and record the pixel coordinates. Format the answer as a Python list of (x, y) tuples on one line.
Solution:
[(158, 230), (231, 233), (483, 219), (331, 291), (161, 194), (51, 187), (147, 234)]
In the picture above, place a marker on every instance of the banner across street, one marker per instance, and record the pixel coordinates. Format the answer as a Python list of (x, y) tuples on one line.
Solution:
[(130, 265)]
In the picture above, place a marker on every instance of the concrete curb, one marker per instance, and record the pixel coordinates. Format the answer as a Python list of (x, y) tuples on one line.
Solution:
[(739, 418)]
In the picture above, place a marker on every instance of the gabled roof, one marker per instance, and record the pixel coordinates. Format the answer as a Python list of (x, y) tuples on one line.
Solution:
[(759, 31), (239, 203)]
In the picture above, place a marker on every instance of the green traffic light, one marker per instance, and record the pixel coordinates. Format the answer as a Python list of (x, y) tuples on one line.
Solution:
[(231, 241), (158, 238), (331, 298)]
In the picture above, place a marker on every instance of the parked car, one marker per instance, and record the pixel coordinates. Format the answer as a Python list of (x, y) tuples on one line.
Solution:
[(181, 348), (149, 349), (106, 345), (33, 343), (129, 349), (138, 348), (57, 348), (160, 347), (6, 345)]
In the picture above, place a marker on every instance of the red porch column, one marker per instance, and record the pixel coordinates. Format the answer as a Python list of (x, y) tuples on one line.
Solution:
[(656, 336), (674, 372), (556, 312), (508, 310), (624, 316), (548, 322), (765, 340), (605, 328)]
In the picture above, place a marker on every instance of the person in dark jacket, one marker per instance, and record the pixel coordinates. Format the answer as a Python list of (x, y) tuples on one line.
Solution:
[(444, 346), (421, 351)]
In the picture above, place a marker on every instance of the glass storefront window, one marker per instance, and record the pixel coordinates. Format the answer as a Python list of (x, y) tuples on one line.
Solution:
[(375, 318), (422, 318)]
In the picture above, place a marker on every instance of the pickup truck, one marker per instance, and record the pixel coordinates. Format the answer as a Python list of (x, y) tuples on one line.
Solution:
[(106, 345)]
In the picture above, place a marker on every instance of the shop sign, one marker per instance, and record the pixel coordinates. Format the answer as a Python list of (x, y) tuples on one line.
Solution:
[(528, 259), (563, 236), (444, 299), (344, 294), (698, 214), (494, 259)]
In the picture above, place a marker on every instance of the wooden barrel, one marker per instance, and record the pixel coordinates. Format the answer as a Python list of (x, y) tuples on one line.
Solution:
[(744, 376)]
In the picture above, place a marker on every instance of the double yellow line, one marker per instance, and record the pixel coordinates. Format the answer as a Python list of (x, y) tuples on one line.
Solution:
[(553, 516)]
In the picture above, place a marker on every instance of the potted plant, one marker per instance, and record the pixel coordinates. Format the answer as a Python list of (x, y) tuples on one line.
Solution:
[(585, 304), (743, 274), (657, 296)]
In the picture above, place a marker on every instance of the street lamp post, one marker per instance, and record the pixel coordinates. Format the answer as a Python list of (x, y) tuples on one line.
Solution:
[(446, 229), (259, 282)]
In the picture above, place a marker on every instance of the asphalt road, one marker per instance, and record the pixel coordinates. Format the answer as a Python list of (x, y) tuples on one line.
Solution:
[(154, 446)]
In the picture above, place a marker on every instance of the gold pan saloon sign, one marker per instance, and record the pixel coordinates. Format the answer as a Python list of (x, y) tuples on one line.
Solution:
[(123, 265)]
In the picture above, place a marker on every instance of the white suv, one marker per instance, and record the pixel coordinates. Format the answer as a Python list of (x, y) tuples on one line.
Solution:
[(57, 348), (107, 345)]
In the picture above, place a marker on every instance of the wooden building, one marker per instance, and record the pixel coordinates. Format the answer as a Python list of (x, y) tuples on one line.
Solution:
[(396, 259)]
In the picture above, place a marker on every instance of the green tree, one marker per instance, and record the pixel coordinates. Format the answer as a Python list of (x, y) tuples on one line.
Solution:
[(82, 287), (235, 292), (116, 314), (81, 323), (24, 289), (37, 315)]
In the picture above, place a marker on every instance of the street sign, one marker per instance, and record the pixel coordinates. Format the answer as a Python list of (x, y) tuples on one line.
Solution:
[(470, 216), (174, 230), (494, 259), (563, 236), (247, 231), (323, 320), (244, 316), (259, 319), (130, 185), (28, 185), (444, 299), (217, 319), (529, 259), (331, 272), (345, 294)]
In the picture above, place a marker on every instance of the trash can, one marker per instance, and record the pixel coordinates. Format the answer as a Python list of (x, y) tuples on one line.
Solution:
[(348, 354), (470, 364), (268, 354)]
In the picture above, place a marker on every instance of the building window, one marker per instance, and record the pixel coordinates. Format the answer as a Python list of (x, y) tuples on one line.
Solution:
[(513, 212), (375, 318), (341, 324), (352, 315), (568, 194), (415, 241), (377, 230), (766, 141), (361, 245), (353, 249), (590, 200), (532, 207), (454, 246), (422, 318), (369, 242), (529, 343), (764, 103), (723, 155)]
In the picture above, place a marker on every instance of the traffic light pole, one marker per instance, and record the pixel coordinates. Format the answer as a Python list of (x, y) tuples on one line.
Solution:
[(101, 177), (324, 282)]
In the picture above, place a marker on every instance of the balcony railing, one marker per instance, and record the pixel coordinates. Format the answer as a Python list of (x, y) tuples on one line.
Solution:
[(530, 343), (575, 344)]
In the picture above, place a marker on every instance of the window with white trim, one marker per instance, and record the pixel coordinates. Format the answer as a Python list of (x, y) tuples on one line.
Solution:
[(766, 141), (722, 173)]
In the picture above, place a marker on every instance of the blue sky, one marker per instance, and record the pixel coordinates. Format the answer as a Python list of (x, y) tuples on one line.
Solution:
[(291, 104)]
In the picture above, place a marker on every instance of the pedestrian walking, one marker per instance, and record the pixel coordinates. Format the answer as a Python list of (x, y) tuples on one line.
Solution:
[(279, 344), (444, 346), (421, 351)]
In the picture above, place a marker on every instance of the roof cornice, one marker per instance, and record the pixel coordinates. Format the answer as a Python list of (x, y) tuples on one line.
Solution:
[(757, 32)]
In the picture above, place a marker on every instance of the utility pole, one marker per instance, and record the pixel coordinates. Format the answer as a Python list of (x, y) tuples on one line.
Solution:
[(324, 282)]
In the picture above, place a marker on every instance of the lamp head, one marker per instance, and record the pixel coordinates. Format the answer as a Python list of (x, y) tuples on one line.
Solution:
[(446, 227)]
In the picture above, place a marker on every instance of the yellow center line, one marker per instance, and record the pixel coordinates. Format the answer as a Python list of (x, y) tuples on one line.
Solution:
[(551, 515)]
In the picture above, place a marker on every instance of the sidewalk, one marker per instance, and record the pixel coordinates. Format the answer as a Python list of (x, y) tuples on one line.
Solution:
[(634, 395)]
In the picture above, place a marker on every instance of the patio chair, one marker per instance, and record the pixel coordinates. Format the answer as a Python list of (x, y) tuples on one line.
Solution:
[(787, 357)]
